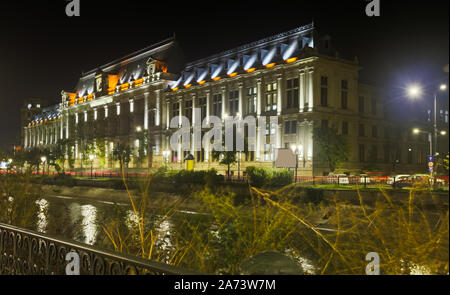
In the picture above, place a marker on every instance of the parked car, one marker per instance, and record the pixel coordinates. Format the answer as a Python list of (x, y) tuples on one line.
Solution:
[(338, 179), (397, 178)]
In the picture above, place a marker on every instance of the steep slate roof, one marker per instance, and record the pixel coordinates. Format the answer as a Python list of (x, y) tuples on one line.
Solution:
[(133, 66)]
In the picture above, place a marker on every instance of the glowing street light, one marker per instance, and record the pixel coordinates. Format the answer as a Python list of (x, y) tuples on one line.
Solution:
[(166, 155), (416, 130), (443, 132), (414, 91), (443, 87), (138, 129)]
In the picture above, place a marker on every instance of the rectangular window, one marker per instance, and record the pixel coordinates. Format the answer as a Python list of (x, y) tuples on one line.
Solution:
[(251, 100), (292, 94), (361, 130), (202, 106), (324, 91), (374, 131), (344, 94), (290, 127), (175, 109), (188, 109), (362, 155), (344, 128), (271, 97), (361, 104), (233, 101), (217, 105)]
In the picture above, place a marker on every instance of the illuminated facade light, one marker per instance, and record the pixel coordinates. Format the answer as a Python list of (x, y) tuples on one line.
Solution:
[(187, 86), (201, 82), (216, 79), (175, 89), (292, 59), (251, 70), (271, 65), (233, 74), (131, 106)]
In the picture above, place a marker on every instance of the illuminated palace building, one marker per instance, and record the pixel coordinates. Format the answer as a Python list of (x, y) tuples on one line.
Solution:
[(296, 75)]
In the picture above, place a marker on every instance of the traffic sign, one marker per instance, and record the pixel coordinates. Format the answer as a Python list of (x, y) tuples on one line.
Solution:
[(430, 158), (431, 164)]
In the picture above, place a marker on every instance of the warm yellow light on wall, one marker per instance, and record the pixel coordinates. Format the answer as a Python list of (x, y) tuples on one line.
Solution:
[(232, 74), (112, 81), (90, 97), (216, 78), (188, 85), (138, 82), (175, 89), (271, 65), (292, 59), (111, 90), (124, 86), (201, 82), (251, 70)]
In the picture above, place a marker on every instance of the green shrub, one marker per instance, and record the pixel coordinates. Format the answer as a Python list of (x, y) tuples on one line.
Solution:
[(268, 177)]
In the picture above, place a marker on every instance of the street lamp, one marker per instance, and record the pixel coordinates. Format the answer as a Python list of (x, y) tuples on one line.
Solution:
[(166, 155), (91, 157), (138, 129), (43, 159), (415, 91), (294, 149)]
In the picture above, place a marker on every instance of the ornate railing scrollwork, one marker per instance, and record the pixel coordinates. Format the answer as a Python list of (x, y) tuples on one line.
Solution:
[(28, 252)]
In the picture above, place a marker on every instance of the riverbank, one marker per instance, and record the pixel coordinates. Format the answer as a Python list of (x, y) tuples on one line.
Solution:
[(185, 201), (156, 201)]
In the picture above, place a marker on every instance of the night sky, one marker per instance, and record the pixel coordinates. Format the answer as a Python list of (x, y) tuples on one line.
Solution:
[(42, 51)]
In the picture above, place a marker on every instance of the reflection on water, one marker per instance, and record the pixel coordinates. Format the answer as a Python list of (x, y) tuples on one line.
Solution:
[(42, 221), (86, 217), (89, 227)]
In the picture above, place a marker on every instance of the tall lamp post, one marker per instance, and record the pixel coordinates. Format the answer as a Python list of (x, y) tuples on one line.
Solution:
[(415, 91), (43, 159), (91, 158)]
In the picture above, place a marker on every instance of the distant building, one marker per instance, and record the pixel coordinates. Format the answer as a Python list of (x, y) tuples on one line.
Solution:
[(296, 75)]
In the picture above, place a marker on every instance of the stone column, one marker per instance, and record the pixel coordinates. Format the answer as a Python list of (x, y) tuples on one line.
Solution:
[(208, 104), (258, 97), (145, 111), (25, 138), (280, 94), (61, 127), (194, 120), (241, 97), (311, 89), (301, 89), (180, 109), (158, 108), (167, 114), (67, 125), (224, 92)]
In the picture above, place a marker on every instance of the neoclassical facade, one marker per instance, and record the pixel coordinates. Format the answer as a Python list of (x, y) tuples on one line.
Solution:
[(296, 76)]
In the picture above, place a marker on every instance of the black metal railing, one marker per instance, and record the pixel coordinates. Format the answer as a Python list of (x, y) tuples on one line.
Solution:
[(28, 252)]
